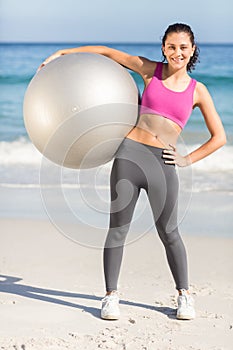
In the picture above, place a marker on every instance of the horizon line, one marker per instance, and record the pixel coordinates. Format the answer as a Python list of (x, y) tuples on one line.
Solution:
[(105, 42)]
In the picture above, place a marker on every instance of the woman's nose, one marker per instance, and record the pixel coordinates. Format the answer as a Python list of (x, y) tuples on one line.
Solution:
[(178, 51)]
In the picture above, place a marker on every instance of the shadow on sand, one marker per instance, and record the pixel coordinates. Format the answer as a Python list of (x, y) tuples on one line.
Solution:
[(11, 285)]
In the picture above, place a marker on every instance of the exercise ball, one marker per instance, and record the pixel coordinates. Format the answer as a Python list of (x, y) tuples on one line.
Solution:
[(78, 108)]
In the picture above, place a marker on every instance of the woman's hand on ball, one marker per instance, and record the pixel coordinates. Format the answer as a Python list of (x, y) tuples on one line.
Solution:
[(51, 58)]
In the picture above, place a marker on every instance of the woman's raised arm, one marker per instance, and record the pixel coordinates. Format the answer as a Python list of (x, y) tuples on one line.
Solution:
[(137, 64)]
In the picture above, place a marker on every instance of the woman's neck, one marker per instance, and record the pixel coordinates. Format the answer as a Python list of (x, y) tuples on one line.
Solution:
[(176, 74)]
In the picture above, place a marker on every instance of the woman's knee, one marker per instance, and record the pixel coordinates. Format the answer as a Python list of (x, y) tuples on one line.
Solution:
[(116, 236), (169, 234)]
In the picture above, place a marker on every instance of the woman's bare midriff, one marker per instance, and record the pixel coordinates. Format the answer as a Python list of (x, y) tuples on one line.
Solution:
[(155, 130)]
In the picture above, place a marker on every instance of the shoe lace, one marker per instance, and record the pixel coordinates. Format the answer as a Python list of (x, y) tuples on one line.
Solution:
[(110, 298), (185, 300)]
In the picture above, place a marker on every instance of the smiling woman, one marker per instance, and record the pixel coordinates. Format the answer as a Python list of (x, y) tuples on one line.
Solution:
[(147, 157)]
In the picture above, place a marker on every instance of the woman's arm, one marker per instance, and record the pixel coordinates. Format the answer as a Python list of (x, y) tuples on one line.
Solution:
[(138, 64), (213, 122)]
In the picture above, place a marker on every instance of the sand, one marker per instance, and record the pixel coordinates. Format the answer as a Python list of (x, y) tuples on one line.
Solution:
[(51, 290)]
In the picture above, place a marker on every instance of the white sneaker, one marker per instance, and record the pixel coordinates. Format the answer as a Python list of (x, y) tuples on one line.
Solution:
[(185, 310), (110, 307)]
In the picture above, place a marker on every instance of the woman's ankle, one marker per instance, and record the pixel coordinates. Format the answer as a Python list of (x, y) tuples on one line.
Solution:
[(111, 292), (181, 291)]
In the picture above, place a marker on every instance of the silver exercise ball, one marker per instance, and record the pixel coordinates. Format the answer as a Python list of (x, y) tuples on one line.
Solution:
[(79, 107)]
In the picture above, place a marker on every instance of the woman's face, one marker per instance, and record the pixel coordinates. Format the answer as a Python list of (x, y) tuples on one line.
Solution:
[(178, 49)]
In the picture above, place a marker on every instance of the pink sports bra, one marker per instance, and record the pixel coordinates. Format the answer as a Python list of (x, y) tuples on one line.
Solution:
[(158, 99)]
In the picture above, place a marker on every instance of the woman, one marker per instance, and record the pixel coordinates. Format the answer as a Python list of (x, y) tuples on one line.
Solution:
[(147, 156)]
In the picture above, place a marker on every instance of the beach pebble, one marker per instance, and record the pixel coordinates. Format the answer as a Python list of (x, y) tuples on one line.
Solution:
[(132, 321)]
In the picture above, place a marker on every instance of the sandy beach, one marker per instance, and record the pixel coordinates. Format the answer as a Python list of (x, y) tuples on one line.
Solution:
[(51, 290)]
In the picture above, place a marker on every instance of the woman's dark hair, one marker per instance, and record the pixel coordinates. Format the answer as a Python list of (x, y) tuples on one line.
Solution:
[(183, 28)]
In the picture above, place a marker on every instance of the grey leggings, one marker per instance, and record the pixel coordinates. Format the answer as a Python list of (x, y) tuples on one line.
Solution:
[(138, 166)]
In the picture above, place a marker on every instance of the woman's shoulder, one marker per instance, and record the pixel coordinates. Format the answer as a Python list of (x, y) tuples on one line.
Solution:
[(201, 92), (148, 67), (200, 87)]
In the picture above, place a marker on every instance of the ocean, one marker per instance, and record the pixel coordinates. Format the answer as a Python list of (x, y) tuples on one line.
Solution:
[(20, 161)]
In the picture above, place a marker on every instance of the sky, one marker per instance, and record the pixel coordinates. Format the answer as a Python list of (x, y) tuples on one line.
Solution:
[(99, 21)]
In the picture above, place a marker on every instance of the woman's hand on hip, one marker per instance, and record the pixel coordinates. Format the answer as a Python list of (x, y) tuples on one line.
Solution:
[(173, 157)]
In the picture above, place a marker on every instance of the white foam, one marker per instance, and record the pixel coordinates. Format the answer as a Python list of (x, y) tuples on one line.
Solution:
[(20, 166), (23, 152), (20, 152), (220, 160)]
